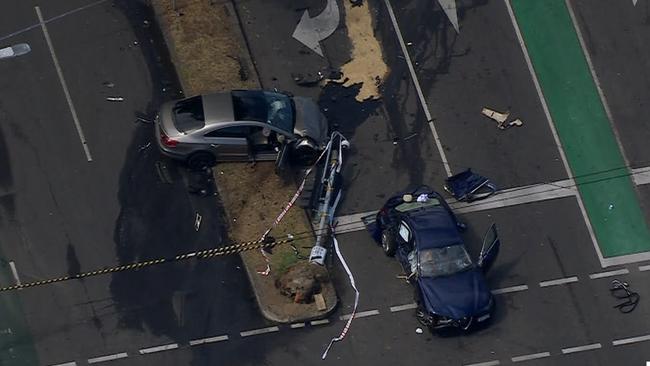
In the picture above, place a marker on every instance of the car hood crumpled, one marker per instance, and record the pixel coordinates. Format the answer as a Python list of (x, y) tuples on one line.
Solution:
[(310, 122), (457, 296)]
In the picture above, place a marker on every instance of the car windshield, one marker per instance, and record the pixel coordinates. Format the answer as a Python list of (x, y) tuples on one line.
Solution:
[(413, 205), (188, 114), (254, 105), (444, 261)]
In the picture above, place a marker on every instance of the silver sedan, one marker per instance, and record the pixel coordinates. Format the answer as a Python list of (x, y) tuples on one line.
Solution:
[(241, 125)]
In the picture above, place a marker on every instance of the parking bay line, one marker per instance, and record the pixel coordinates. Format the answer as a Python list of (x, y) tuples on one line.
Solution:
[(587, 347), (165, 347), (220, 338), (644, 268), (362, 314), (259, 331), (112, 357), (507, 290), (559, 281), (59, 72), (532, 356), (319, 322), (620, 342), (66, 364), (486, 363), (623, 271), (394, 309)]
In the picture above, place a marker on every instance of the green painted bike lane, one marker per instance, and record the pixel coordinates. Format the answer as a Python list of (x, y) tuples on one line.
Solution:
[(583, 127), (16, 342)]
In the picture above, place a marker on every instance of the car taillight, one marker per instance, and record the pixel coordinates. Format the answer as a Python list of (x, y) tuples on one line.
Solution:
[(167, 141)]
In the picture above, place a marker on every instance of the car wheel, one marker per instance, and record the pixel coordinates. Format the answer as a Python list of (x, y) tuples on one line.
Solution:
[(423, 318), (201, 160), (305, 152), (388, 243)]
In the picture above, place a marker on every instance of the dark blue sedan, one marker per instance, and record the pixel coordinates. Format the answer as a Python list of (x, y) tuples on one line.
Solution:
[(421, 230)]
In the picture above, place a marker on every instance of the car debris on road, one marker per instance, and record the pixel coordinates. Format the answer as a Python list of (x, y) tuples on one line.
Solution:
[(15, 50)]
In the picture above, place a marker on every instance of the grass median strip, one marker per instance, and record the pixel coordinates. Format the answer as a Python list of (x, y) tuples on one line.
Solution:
[(584, 129)]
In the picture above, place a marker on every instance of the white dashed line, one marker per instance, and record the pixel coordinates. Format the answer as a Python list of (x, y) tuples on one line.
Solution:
[(362, 314), (394, 309), (66, 92), (623, 271), (253, 332), (507, 290), (165, 347), (559, 281), (116, 356), (644, 268), (66, 364), (532, 356), (486, 363), (587, 347), (297, 325), (320, 322), (220, 338), (620, 342)]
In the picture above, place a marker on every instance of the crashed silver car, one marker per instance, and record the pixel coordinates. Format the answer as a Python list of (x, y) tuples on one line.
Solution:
[(241, 125)]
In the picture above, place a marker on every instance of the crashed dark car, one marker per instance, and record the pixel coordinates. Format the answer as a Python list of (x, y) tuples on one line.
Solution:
[(421, 230), (241, 125)]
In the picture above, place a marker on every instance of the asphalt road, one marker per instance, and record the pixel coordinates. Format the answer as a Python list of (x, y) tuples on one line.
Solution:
[(62, 214)]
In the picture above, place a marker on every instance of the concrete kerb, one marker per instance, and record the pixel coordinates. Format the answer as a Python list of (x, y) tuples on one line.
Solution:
[(245, 56)]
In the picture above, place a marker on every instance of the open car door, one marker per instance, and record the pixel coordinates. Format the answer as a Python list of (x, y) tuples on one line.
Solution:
[(490, 248)]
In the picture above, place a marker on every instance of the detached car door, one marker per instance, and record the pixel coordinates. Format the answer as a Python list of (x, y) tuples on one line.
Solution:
[(229, 143), (490, 248)]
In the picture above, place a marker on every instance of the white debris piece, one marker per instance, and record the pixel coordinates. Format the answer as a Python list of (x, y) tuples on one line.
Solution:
[(15, 50), (115, 99), (418, 330), (516, 122), (499, 117), (197, 222)]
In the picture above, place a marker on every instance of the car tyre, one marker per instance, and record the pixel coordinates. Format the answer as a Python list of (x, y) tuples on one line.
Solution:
[(201, 160), (388, 243)]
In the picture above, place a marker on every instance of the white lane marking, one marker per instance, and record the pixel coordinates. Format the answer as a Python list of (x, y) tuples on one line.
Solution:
[(253, 332), (559, 281), (319, 322), (297, 325), (623, 271), (529, 357), (418, 89), (361, 314), (116, 356), (165, 347), (507, 290), (644, 268), (486, 363), (59, 72), (641, 176), (66, 364), (594, 76), (220, 338), (587, 347), (556, 137), (449, 7), (70, 12), (620, 342), (397, 308), (14, 272)]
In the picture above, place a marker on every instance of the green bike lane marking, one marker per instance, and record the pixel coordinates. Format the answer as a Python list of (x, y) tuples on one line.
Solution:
[(16, 342), (584, 130)]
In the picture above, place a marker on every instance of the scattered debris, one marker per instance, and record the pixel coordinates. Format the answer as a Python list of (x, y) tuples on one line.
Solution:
[(142, 120), (611, 207), (418, 330), (621, 291), (115, 99), (302, 282), (201, 182), (410, 137), (308, 79), (467, 186), (501, 118), (163, 172), (144, 147), (146, 23), (197, 222), (108, 84), (15, 50), (320, 302)]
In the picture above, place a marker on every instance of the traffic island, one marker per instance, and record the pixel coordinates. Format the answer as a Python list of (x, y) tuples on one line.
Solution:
[(208, 51)]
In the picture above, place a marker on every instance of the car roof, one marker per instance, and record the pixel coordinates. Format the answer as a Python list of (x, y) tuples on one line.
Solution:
[(433, 227), (217, 108)]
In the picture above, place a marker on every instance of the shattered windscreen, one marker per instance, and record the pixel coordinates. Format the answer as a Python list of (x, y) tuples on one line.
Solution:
[(444, 261)]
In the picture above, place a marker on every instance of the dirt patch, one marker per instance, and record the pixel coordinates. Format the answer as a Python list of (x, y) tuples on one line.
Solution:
[(205, 45), (367, 65)]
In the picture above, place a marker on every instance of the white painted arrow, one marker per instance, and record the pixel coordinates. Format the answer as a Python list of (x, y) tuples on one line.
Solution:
[(449, 6), (310, 31)]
